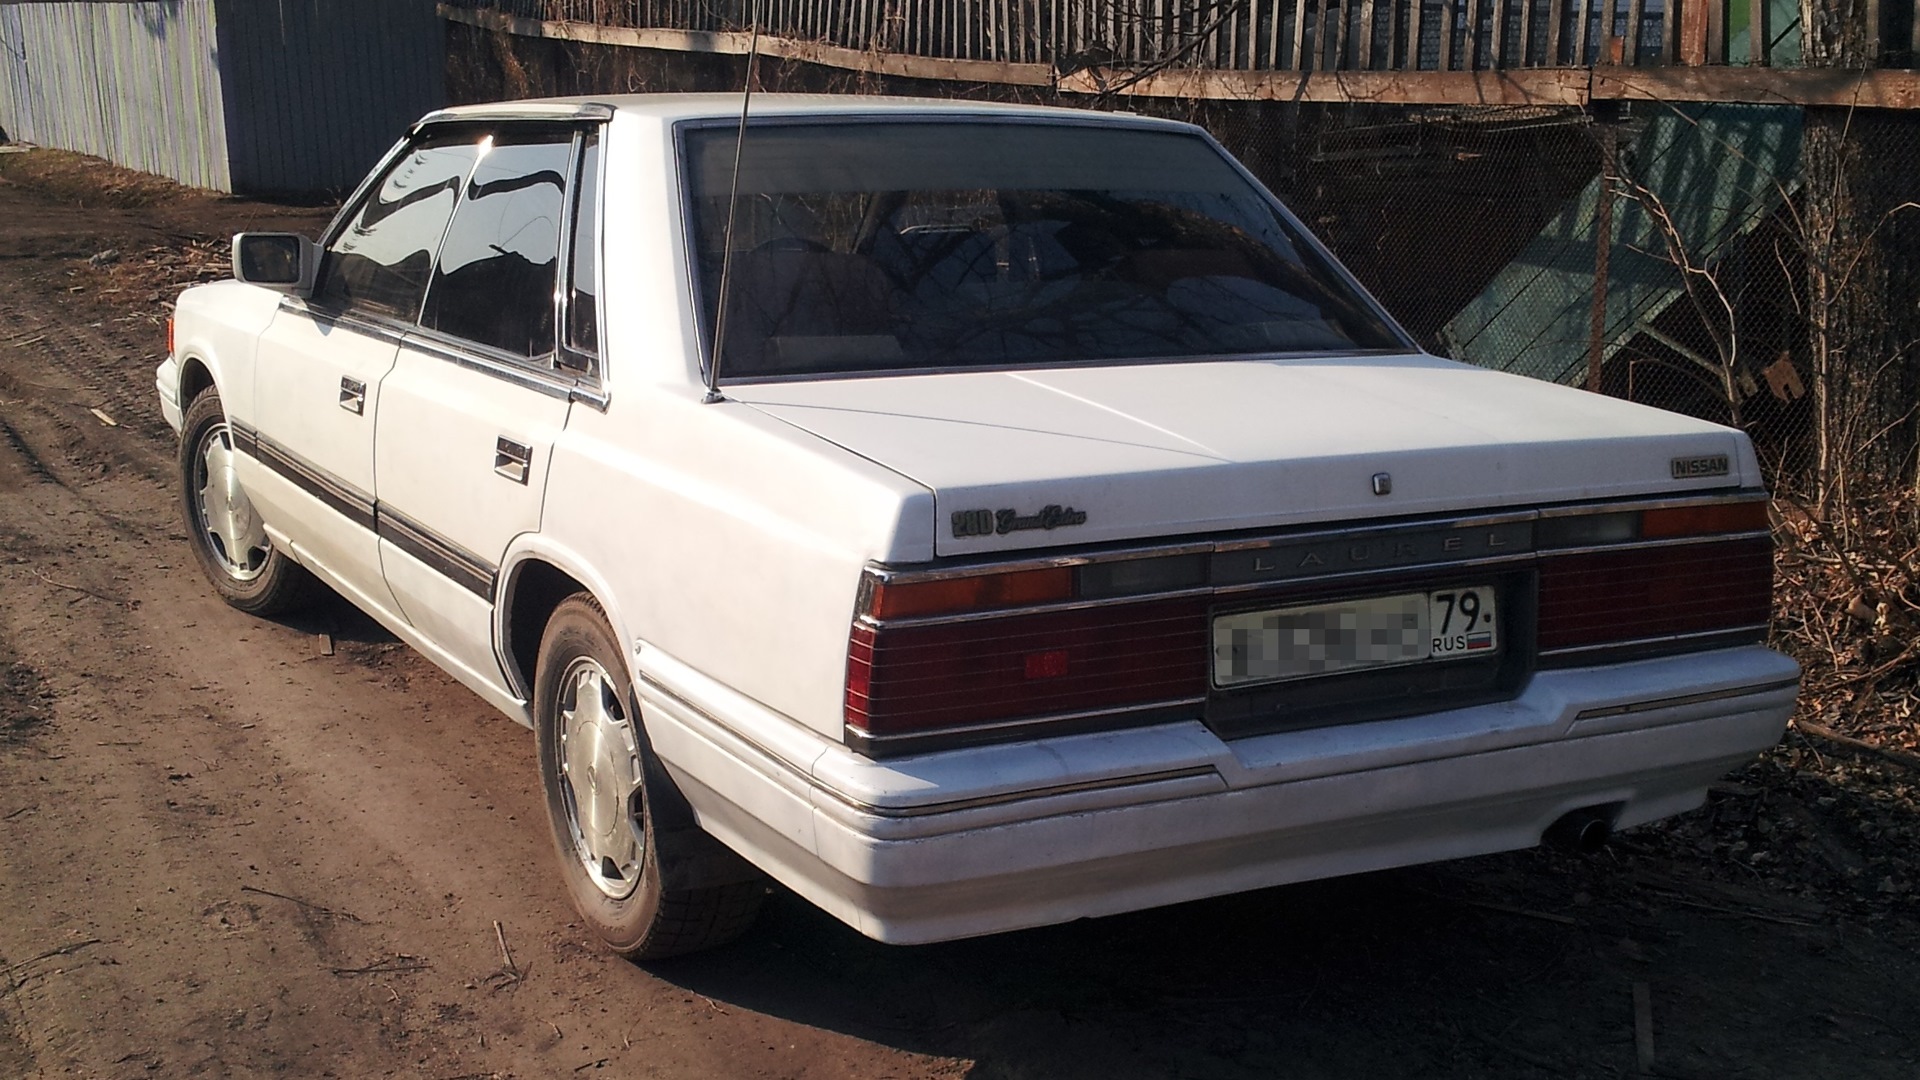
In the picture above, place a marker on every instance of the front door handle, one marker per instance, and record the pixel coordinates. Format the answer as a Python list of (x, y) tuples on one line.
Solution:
[(510, 459), (353, 396)]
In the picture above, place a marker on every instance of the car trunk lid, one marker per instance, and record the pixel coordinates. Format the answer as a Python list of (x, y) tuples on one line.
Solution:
[(1040, 458)]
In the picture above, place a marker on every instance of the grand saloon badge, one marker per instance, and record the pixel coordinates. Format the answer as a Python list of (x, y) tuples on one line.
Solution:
[(968, 523)]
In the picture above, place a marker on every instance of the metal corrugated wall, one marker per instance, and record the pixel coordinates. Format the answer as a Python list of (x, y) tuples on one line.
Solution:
[(316, 89), (135, 83)]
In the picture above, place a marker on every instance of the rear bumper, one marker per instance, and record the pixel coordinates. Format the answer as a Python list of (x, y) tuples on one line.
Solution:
[(988, 839)]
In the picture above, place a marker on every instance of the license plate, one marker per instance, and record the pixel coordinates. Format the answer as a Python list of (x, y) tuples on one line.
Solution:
[(1379, 631)]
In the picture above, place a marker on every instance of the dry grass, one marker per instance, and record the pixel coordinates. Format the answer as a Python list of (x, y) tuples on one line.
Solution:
[(88, 182)]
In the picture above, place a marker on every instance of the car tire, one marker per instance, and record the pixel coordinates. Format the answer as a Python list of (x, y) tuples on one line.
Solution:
[(609, 802), (223, 528)]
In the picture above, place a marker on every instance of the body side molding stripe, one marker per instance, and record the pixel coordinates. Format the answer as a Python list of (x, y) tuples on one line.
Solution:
[(443, 556), (437, 553)]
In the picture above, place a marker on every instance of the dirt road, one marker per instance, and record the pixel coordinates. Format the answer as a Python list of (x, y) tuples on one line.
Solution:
[(234, 847)]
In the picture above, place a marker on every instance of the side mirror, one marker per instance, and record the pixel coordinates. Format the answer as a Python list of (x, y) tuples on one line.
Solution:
[(286, 262)]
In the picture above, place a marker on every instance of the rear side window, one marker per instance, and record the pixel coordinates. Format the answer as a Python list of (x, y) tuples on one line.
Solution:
[(583, 291), (494, 281), (380, 263)]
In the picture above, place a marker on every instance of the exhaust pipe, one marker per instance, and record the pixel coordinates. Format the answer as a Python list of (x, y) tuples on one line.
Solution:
[(1584, 831)]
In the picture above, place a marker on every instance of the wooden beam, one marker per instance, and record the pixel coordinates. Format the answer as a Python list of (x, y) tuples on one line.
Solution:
[(1412, 62), (730, 43), (1883, 89), (1716, 30), (1556, 18), (1757, 33)]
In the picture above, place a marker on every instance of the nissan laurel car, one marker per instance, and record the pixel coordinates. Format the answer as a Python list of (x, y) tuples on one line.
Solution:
[(970, 517)]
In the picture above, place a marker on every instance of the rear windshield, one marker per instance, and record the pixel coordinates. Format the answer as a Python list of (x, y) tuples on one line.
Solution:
[(919, 245)]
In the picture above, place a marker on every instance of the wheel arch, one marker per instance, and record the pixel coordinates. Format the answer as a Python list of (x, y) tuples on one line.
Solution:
[(535, 577), (196, 378)]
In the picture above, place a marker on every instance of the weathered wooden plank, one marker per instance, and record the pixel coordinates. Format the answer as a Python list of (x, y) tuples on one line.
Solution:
[(1717, 31), (1412, 61), (1296, 61), (1758, 34), (1497, 38), (1470, 44), (1556, 21), (1574, 86), (1693, 31), (1524, 56), (735, 43), (1446, 35), (1669, 32), (1636, 11), (1364, 58)]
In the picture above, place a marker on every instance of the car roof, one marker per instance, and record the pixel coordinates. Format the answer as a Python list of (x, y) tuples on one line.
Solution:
[(677, 107)]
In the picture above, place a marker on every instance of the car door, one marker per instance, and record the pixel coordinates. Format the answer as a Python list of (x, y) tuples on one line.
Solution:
[(479, 391), (320, 364)]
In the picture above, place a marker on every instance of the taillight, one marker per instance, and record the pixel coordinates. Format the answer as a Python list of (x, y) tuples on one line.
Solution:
[(1593, 599), (915, 679), (169, 335)]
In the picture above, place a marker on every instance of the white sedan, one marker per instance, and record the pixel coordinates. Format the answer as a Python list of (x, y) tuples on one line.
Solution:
[(971, 517)]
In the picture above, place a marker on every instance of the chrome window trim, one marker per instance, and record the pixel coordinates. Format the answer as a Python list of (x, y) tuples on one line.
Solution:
[(591, 380), (380, 328), (476, 357)]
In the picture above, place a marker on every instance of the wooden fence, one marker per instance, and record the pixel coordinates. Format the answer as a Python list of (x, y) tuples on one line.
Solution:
[(1260, 35)]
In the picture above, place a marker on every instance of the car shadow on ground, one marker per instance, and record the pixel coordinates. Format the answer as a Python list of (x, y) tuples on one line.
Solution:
[(1512, 965), (331, 614)]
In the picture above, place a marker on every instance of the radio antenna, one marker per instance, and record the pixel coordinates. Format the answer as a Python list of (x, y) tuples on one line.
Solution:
[(733, 203)]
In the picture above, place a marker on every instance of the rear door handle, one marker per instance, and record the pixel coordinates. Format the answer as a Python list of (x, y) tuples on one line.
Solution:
[(510, 459), (353, 396)]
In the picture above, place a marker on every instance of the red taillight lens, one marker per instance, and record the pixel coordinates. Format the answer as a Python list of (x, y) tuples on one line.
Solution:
[(904, 680), (1600, 598)]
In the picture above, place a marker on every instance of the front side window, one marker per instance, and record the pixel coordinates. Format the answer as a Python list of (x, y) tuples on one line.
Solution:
[(888, 246), (494, 280), (380, 263)]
